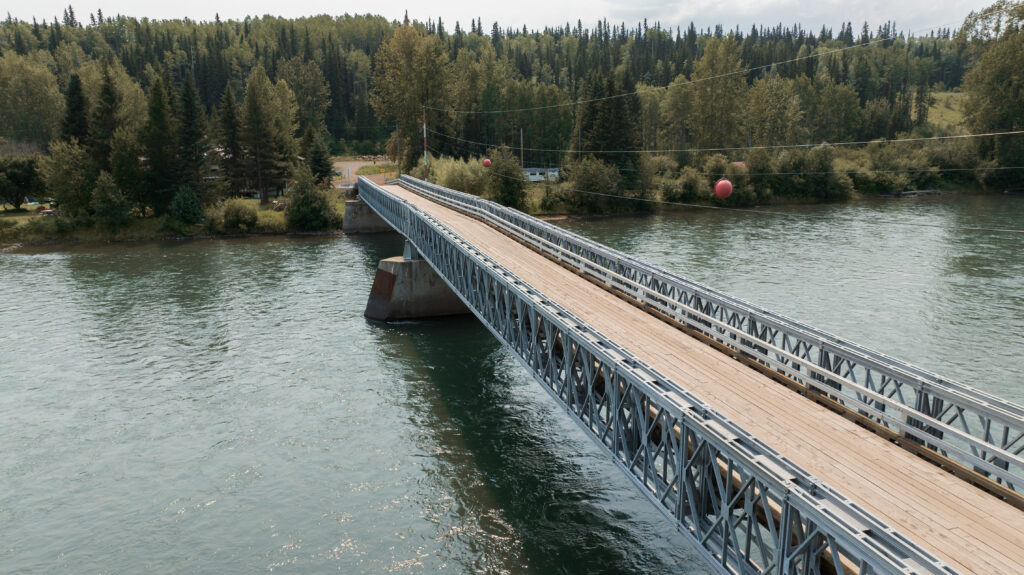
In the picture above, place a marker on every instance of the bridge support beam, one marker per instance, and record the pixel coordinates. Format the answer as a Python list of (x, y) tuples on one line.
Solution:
[(361, 219), (406, 288)]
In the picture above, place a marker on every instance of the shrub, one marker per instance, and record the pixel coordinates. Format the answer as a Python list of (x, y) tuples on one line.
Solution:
[(239, 216), (689, 187), (594, 184), (69, 175), (213, 219), (6, 224), (109, 203), (309, 209), (505, 180), (469, 177), (185, 206)]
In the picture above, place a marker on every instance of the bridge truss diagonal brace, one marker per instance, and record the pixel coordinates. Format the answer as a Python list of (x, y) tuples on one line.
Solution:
[(745, 508), (980, 434)]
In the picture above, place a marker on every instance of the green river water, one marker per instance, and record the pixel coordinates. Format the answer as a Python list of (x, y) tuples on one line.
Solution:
[(223, 407)]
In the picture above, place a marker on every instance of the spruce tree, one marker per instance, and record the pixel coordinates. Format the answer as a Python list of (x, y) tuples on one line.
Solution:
[(315, 152), (105, 121), (230, 140), (76, 118), (259, 132), (192, 145), (158, 146)]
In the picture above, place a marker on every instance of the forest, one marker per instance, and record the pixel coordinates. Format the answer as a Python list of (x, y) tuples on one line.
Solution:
[(124, 117)]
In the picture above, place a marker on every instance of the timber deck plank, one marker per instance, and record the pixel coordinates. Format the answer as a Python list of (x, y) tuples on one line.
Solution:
[(969, 529)]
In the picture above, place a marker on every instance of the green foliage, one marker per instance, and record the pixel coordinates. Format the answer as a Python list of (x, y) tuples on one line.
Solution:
[(159, 149), (109, 204), (192, 143), (19, 178), (505, 179), (995, 88), (690, 186), (317, 158), (409, 72), (612, 124), (30, 102), (268, 132), (185, 207), (239, 216), (717, 95), (593, 185), (351, 79), (773, 112), (76, 117), (69, 176), (312, 95), (469, 176), (105, 121), (309, 207), (229, 137)]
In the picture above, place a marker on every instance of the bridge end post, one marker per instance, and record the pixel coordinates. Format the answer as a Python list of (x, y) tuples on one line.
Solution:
[(407, 288)]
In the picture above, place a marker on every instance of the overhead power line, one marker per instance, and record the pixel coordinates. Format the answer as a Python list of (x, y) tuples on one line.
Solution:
[(688, 81), (760, 211), (742, 148)]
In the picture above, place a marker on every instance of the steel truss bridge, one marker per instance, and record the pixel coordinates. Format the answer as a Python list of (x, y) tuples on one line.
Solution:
[(747, 506)]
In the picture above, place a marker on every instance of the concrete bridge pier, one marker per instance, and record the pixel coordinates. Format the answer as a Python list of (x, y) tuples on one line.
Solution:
[(406, 287)]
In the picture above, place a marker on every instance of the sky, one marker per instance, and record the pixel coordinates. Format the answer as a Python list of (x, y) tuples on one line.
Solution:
[(917, 17)]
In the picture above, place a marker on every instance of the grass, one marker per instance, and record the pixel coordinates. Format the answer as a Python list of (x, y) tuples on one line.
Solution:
[(947, 112), (30, 227), (374, 169)]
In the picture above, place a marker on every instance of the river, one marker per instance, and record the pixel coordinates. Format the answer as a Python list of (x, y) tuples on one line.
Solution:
[(223, 406)]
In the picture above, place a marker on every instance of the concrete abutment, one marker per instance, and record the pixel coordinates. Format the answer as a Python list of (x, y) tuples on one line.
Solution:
[(407, 288)]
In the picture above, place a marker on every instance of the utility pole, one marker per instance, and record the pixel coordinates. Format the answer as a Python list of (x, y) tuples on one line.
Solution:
[(522, 164), (426, 170), (398, 150)]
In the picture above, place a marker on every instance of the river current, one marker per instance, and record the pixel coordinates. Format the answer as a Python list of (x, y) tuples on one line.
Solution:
[(222, 406)]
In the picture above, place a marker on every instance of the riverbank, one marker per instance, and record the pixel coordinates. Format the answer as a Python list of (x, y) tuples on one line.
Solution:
[(33, 229)]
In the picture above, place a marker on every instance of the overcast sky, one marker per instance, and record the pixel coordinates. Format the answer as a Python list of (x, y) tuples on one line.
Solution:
[(914, 16)]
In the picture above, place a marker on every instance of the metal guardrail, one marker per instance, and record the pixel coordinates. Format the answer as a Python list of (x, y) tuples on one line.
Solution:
[(746, 508), (980, 431)]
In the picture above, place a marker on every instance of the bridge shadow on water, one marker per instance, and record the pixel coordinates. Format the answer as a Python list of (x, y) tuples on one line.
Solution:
[(533, 494)]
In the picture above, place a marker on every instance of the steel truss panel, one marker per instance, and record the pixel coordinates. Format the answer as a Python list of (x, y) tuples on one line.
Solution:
[(744, 506), (980, 431)]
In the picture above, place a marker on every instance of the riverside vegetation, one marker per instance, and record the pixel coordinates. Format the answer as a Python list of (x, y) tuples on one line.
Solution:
[(137, 127)]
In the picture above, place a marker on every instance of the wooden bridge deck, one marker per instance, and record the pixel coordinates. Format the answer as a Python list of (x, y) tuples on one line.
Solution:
[(969, 529)]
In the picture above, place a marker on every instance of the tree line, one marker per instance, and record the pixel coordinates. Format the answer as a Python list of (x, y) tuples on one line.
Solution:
[(229, 105)]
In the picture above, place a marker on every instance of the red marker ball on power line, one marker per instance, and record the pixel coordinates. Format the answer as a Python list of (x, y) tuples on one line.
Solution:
[(723, 189), (487, 162)]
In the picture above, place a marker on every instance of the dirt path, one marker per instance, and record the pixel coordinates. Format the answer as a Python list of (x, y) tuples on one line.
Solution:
[(348, 169)]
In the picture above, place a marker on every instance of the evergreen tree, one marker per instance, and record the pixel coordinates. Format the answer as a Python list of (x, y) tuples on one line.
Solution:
[(105, 121), (309, 207), (261, 134), (76, 117), (158, 145), (230, 139), (192, 144), (111, 206), (315, 152)]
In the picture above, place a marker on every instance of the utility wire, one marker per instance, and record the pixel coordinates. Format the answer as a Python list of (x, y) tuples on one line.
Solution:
[(742, 148), (688, 82), (757, 211), (801, 173)]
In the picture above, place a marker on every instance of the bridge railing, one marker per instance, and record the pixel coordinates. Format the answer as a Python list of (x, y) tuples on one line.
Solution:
[(746, 508), (977, 430)]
